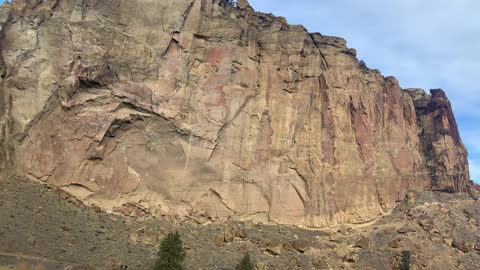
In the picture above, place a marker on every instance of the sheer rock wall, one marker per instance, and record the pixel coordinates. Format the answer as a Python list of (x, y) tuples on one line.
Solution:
[(194, 107)]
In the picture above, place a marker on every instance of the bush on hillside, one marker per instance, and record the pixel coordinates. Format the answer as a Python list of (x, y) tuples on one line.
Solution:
[(171, 254), (405, 263), (245, 263)]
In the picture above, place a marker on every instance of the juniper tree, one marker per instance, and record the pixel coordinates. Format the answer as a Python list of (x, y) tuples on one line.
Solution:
[(245, 263), (171, 254), (405, 263)]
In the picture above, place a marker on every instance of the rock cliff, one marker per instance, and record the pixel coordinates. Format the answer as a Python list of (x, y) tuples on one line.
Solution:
[(199, 108)]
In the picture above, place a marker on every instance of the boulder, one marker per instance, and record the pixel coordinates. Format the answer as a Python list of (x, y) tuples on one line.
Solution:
[(345, 230), (406, 229), (461, 245), (242, 233), (426, 222), (243, 4), (395, 243), (448, 241), (301, 245), (351, 257), (275, 247), (219, 240), (229, 234), (363, 242), (261, 266)]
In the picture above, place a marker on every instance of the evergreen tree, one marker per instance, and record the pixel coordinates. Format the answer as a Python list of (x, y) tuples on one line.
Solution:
[(245, 263), (171, 253), (405, 264)]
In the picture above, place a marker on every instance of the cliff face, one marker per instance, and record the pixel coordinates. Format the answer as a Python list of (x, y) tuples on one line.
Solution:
[(447, 162), (197, 108)]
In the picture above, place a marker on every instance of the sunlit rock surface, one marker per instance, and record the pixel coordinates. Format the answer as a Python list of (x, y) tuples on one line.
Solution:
[(195, 107)]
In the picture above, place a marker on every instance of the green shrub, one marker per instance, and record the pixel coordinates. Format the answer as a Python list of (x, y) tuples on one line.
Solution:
[(171, 254), (405, 263), (363, 66), (245, 263)]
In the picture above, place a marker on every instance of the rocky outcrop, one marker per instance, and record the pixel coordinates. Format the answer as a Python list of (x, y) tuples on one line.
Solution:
[(202, 108), (440, 141)]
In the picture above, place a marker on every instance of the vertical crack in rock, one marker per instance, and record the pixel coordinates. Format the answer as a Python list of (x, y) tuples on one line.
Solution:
[(215, 193), (45, 112), (186, 14), (327, 124), (305, 182), (172, 49), (84, 8), (324, 61)]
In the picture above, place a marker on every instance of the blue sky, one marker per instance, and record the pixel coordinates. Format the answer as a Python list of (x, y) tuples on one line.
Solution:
[(425, 44)]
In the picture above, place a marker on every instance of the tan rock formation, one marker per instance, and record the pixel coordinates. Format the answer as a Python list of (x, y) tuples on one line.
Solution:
[(198, 106), (440, 141), (243, 4)]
